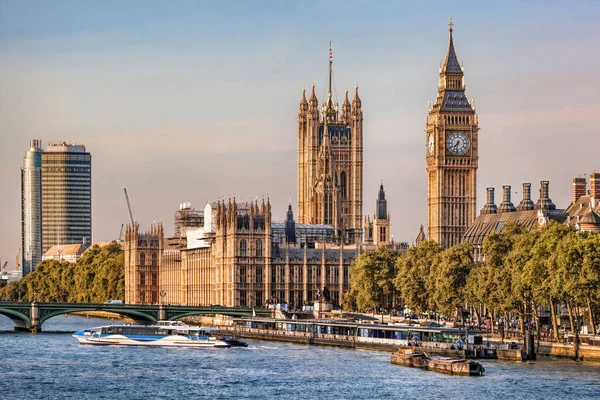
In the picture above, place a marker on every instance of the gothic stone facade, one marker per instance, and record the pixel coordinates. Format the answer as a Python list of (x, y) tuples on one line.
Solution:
[(249, 262), (330, 163), (451, 136), (143, 256)]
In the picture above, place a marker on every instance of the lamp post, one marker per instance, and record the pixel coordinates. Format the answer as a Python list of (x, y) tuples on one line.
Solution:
[(162, 297), (142, 296)]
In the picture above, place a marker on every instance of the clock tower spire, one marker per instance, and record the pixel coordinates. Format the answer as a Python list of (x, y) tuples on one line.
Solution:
[(451, 134)]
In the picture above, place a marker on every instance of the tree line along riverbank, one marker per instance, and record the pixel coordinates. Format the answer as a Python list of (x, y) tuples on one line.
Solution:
[(522, 273), (98, 276)]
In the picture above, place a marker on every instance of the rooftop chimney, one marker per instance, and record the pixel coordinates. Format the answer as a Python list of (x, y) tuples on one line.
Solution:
[(595, 185), (526, 204), (506, 205), (579, 188), (489, 207), (544, 203)]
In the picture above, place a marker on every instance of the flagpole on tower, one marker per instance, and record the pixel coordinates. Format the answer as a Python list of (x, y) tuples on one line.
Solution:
[(330, 65)]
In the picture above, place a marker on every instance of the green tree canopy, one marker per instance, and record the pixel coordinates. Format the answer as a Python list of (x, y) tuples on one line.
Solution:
[(97, 277)]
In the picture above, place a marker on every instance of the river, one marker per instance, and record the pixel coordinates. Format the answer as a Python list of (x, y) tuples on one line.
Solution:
[(54, 366)]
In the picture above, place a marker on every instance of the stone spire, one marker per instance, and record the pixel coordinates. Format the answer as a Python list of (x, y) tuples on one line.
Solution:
[(290, 226), (356, 103), (451, 64), (381, 206), (421, 236), (313, 103), (346, 108), (330, 111), (303, 107)]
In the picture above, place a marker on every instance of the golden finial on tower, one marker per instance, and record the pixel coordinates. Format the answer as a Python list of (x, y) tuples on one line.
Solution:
[(450, 24)]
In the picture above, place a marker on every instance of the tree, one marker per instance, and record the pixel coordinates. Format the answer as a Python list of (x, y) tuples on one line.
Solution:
[(538, 279), (413, 275), (371, 281), (496, 274), (450, 278), (589, 278)]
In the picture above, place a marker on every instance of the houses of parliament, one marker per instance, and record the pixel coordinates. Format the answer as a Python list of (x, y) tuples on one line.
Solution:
[(232, 253)]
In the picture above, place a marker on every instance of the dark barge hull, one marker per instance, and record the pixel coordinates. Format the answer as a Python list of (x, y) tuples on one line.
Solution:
[(450, 366)]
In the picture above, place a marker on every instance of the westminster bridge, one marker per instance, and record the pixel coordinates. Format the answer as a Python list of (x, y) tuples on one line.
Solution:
[(29, 317)]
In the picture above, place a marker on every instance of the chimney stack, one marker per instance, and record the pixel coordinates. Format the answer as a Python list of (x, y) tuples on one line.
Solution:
[(579, 188), (545, 203), (526, 204), (595, 185), (506, 205), (489, 207)]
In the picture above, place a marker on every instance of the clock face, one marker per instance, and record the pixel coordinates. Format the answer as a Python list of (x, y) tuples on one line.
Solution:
[(430, 144), (457, 143)]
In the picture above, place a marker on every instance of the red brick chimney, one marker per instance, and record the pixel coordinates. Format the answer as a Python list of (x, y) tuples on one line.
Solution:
[(579, 188), (595, 185)]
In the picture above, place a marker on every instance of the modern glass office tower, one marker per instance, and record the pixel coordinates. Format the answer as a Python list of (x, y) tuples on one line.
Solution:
[(66, 195), (31, 207)]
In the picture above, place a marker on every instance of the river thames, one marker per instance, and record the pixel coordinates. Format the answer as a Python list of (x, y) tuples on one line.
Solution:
[(55, 366)]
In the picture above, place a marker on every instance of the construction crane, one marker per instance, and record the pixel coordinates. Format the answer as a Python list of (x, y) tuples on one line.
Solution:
[(18, 262), (121, 234), (129, 207)]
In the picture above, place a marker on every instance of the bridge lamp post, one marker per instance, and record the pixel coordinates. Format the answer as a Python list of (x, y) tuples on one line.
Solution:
[(142, 296), (162, 297)]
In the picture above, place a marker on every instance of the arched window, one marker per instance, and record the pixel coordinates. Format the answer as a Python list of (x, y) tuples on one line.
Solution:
[(154, 259), (259, 248), (243, 248), (142, 258), (343, 184)]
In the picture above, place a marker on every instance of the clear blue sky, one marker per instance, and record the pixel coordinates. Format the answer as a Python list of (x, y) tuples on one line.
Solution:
[(191, 100)]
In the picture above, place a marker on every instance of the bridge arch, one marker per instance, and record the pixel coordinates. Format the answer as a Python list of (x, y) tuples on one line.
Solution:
[(139, 317), (21, 317)]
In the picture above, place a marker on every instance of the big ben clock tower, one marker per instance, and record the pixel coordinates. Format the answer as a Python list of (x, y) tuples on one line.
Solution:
[(451, 137)]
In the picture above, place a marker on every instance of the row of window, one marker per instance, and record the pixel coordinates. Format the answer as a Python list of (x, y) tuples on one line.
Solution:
[(48, 158), (154, 278), (153, 259), (244, 248)]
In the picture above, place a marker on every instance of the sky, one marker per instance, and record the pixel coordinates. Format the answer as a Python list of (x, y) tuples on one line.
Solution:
[(196, 100)]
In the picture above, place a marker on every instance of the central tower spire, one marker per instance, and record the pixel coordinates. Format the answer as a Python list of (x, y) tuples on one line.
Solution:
[(329, 108)]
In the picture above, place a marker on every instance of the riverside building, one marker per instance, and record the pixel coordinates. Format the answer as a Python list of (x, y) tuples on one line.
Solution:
[(66, 195), (31, 207), (240, 257), (583, 213)]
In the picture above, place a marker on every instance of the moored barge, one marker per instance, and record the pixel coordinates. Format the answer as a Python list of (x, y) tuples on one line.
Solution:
[(407, 357)]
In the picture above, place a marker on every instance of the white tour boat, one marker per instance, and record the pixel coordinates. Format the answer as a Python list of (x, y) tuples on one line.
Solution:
[(162, 333)]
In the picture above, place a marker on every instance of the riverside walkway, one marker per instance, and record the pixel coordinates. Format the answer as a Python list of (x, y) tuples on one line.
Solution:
[(29, 317)]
